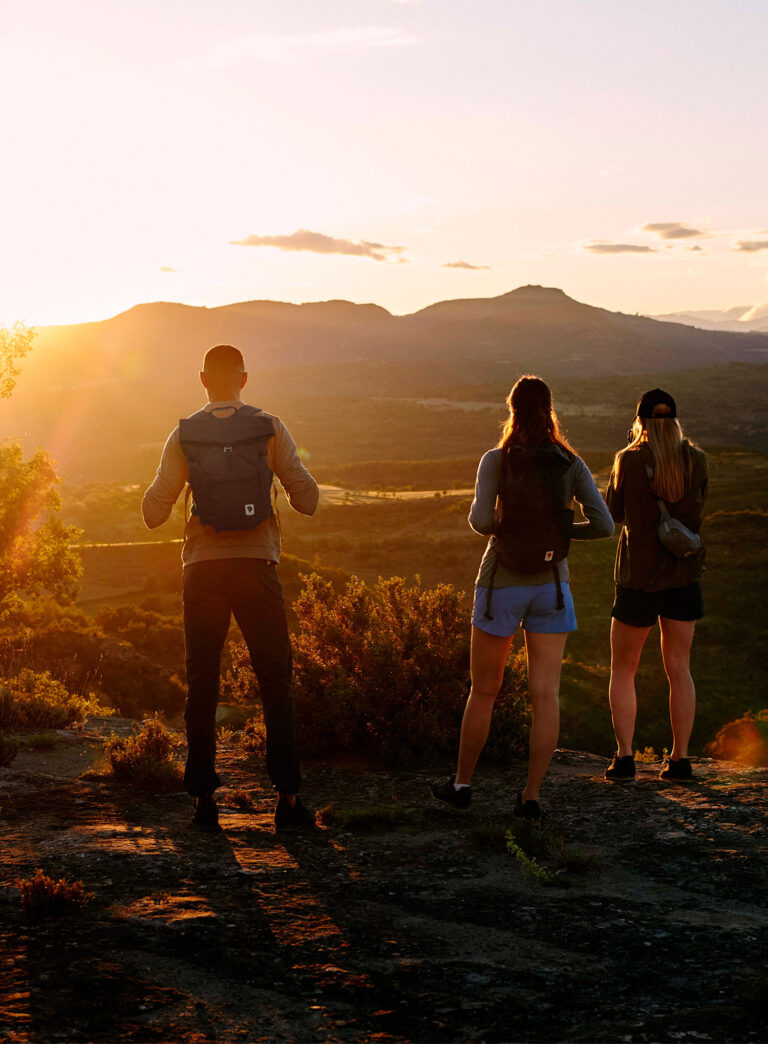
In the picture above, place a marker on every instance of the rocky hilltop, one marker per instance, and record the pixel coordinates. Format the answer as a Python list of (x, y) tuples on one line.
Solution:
[(393, 920)]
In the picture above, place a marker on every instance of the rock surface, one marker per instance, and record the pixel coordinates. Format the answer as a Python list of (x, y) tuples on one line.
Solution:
[(424, 929)]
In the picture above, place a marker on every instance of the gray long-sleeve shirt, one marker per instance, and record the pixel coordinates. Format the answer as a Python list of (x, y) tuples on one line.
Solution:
[(201, 543), (579, 487)]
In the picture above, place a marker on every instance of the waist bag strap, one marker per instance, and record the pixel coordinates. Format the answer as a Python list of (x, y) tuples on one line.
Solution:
[(558, 587), (487, 614)]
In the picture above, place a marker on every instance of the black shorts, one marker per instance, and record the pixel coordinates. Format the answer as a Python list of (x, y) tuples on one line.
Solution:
[(642, 608)]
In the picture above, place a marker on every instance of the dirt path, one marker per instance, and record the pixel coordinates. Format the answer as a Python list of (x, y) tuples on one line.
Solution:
[(424, 931)]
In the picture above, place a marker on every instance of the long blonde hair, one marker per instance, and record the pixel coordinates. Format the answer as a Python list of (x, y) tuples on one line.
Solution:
[(672, 457)]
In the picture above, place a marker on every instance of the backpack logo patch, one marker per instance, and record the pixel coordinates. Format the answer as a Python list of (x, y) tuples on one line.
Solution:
[(549, 556), (250, 509)]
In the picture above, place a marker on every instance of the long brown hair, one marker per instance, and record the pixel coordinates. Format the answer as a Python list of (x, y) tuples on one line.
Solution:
[(672, 457), (532, 420)]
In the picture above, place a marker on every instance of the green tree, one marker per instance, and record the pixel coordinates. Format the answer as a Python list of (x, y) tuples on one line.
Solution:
[(35, 555), (15, 342)]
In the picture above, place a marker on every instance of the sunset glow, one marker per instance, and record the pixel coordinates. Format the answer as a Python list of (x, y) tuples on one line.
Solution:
[(375, 150)]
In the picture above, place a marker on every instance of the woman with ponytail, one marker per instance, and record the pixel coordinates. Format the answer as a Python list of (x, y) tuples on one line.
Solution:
[(525, 487), (658, 467)]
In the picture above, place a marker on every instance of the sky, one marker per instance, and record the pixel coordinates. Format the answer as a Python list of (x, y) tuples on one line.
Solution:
[(399, 152)]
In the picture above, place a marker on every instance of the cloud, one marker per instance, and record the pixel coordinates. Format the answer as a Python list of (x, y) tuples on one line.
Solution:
[(167, 268), (750, 246), (617, 248), (286, 47), (317, 243), (466, 265), (672, 230), (694, 248)]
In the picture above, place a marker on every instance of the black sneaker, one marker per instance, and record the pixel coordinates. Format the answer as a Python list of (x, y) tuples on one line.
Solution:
[(206, 813), (527, 809), (458, 800), (621, 770), (679, 770), (290, 817)]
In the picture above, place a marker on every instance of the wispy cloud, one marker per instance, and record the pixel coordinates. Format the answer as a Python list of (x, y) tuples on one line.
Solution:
[(751, 246), (672, 230), (167, 268), (317, 243), (600, 247), (466, 265), (286, 47)]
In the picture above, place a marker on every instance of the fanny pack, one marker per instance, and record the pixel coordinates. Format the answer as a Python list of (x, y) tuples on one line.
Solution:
[(677, 538)]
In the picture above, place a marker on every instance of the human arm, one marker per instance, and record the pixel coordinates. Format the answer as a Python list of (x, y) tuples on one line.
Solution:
[(614, 496), (482, 514), (170, 480), (285, 462), (599, 523)]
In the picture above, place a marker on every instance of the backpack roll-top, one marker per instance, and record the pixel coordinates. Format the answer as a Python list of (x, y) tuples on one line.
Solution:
[(228, 471), (532, 530)]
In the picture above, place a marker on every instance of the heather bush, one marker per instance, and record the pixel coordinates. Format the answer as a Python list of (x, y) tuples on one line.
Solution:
[(26, 615), (384, 672), (253, 738), (42, 896), (36, 700), (744, 740), (158, 637), (145, 760), (85, 661)]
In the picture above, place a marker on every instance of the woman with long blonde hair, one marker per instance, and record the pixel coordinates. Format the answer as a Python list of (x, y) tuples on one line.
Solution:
[(524, 495), (660, 465)]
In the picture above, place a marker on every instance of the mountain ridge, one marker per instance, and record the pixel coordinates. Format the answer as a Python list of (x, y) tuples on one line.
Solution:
[(108, 389)]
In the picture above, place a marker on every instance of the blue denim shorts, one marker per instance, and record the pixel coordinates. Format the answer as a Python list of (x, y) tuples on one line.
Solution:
[(534, 606)]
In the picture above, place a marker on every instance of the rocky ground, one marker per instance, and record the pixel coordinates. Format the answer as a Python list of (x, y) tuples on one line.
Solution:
[(393, 920)]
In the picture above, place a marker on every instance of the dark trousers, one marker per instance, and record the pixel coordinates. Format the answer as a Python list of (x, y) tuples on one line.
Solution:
[(250, 589)]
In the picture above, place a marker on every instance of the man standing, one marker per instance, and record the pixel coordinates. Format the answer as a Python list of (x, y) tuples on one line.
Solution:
[(228, 452)]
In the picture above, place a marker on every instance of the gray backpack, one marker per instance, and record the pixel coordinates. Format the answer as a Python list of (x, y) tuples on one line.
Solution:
[(228, 471)]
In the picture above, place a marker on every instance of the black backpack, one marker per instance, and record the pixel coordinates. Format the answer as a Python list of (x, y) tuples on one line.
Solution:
[(228, 471), (532, 529)]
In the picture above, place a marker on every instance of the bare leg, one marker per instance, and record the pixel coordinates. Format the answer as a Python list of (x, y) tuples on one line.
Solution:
[(545, 661), (676, 639), (626, 646), (487, 660)]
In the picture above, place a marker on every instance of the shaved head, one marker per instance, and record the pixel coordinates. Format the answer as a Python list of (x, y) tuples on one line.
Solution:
[(223, 373), (223, 359)]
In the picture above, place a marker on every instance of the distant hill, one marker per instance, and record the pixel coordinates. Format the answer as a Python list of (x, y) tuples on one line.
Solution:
[(101, 397), (741, 319), (534, 327)]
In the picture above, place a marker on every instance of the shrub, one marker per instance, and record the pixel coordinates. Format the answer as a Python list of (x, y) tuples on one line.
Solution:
[(84, 661), (43, 897), (647, 755), (384, 672), (744, 740), (372, 819), (35, 700), (160, 638), (542, 853), (240, 798), (253, 738), (9, 746), (145, 760)]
